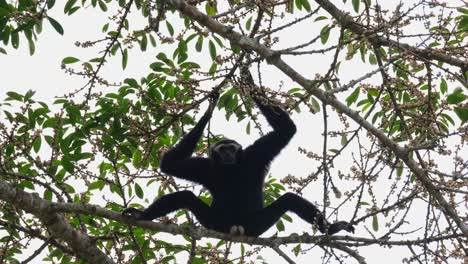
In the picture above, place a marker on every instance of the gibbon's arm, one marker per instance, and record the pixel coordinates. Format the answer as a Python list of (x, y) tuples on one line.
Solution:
[(178, 161), (266, 148)]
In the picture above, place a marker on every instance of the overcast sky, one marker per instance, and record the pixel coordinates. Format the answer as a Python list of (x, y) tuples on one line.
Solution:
[(42, 73)]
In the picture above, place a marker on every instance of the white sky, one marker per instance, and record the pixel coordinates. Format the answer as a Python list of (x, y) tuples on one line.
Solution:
[(41, 72)]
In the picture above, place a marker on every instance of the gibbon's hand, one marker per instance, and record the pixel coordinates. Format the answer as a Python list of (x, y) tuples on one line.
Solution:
[(340, 225), (214, 96)]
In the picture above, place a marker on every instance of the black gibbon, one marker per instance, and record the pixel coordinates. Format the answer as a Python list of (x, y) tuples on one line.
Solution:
[(234, 176)]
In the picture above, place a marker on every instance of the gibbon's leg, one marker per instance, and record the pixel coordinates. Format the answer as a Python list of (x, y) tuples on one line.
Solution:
[(259, 222), (172, 202)]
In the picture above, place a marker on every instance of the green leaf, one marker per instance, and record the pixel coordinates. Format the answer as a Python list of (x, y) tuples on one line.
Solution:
[(27, 184), (366, 107), (73, 10), (88, 66), (195, 260), (463, 26), (297, 250), (218, 40), (170, 29), (189, 65), (157, 66), (15, 40), (356, 5), (131, 82), (443, 86), (434, 44), (372, 59), (67, 165), (295, 90), (306, 5), (456, 97), (344, 139), (4, 12), (68, 6), (56, 25), (152, 40), (280, 226), (136, 159), (124, 59), (285, 216), (32, 46), (70, 60), (73, 113), (37, 144), (139, 191), (463, 10), (99, 184), (324, 34), (298, 4), (213, 68), (248, 24), (29, 94), (235, 48), (50, 4), (143, 43), (315, 104), (320, 18), (375, 223), (47, 195), (9, 116), (97, 60), (462, 113), (51, 122), (448, 118), (399, 171), (210, 10), (199, 44), (14, 96), (212, 50), (103, 6), (353, 97), (105, 27), (86, 155)]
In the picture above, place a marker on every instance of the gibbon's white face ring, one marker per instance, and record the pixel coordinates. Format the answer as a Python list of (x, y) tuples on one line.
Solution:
[(227, 152)]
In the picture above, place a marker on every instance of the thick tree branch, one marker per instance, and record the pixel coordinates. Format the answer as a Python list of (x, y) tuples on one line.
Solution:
[(250, 44), (82, 245)]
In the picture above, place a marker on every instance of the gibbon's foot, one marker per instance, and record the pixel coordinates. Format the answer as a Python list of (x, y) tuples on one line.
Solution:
[(340, 225), (132, 213), (237, 230)]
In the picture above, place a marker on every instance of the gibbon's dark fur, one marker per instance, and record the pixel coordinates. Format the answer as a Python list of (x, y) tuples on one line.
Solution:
[(235, 179)]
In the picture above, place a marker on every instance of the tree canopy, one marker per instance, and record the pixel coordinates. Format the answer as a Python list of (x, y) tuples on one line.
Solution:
[(378, 89)]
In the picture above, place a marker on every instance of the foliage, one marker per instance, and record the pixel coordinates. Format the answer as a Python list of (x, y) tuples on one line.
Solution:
[(101, 144)]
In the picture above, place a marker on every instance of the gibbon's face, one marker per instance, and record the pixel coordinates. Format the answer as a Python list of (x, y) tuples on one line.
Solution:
[(226, 152)]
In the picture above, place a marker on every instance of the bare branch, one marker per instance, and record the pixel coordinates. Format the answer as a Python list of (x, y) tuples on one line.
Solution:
[(348, 22)]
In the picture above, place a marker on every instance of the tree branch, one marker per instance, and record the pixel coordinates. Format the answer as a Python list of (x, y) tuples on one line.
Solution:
[(347, 21), (52, 208), (82, 245)]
